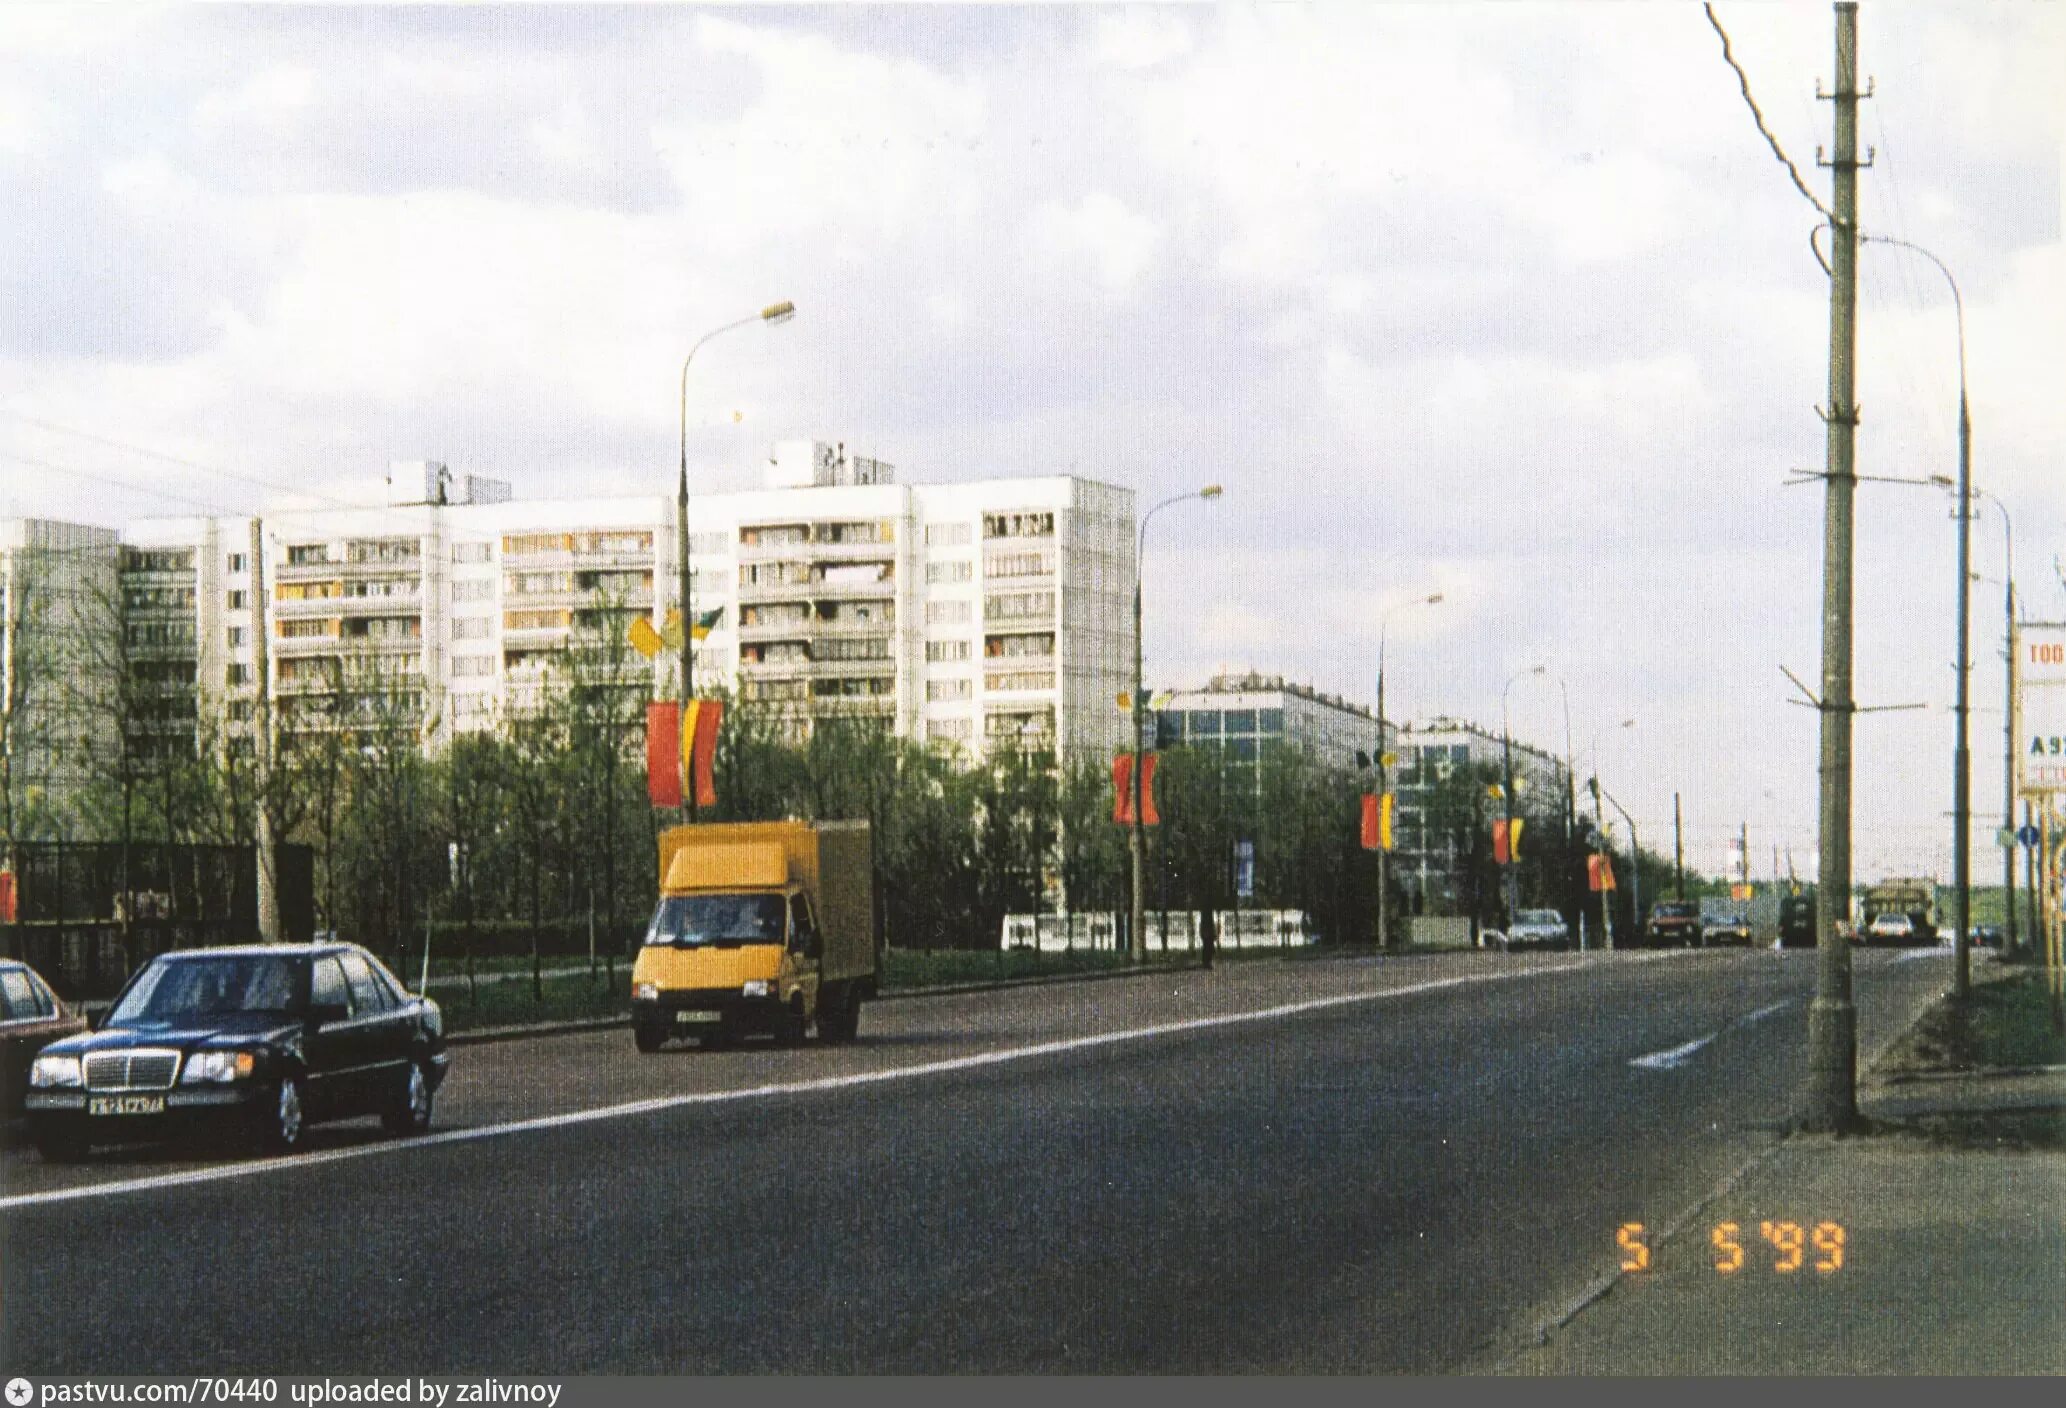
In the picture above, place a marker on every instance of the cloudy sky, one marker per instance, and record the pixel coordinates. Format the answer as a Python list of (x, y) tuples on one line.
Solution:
[(1506, 301)]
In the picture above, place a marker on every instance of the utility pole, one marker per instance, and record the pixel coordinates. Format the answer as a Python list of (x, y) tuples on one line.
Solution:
[(1606, 854), (1962, 753), (265, 860), (1678, 851), (1743, 855), (1832, 1096), (2008, 767)]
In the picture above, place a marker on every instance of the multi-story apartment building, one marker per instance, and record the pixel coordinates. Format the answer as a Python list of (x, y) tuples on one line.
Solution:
[(968, 614), (1240, 715), (57, 587), (1428, 861)]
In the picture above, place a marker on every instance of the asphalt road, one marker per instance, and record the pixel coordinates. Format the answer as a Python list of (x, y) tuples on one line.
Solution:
[(1375, 1165)]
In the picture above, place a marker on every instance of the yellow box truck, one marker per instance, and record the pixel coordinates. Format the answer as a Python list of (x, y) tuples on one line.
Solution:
[(762, 927)]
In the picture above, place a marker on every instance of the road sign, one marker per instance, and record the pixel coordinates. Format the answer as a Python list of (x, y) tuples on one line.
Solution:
[(2027, 836), (1244, 869), (2041, 707)]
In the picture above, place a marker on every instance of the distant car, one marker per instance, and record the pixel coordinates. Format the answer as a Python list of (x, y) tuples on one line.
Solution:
[(264, 1040), (1673, 924), (1718, 929), (1987, 936), (31, 1017), (1536, 928), (1797, 921), (1890, 929)]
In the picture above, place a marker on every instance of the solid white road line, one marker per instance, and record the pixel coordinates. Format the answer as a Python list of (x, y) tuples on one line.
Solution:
[(1677, 1056), (291, 1162)]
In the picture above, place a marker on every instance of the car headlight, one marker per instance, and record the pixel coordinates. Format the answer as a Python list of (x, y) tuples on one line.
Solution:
[(221, 1067), (645, 992), (755, 987), (51, 1071)]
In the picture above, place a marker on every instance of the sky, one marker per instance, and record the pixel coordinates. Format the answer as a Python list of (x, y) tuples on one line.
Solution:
[(1507, 302)]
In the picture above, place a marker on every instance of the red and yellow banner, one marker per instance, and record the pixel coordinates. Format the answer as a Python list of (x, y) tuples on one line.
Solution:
[(1377, 821), (699, 747), (1599, 872), (1122, 790), (663, 753)]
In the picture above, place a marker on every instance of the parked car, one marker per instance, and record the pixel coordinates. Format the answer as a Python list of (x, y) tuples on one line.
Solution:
[(1725, 928), (1890, 929), (263, 1040), (1797, 920), (1673, 924), (1536, 928), (31, 1017), (1987, 936)]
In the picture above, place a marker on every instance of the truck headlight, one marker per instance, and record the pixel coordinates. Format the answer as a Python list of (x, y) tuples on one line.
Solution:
[(221, 1067), (646, 992), (755, 987), (52, 1071)]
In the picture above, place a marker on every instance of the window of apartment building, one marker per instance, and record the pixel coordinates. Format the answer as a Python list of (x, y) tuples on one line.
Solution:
[(959, 730), (938, 651), (521, 543), (158, 559), (1269, 721), (300, 554), (1040, 524), (782, 614), (946, 535), (871, 648), (308, 591), (472, 591), (774, 574), (949, 571), (472, 666), (384, 628), (775, 689), (305, 630), (536, 583), (1004, 606), (240, 600), (774, 535), (1239, 721), (947, 691), (237, 562), (234, 675), (383, 550), (1018, 647), (472, 552), (715, 544), (1019, 564), (946, 613), (623, 542), (239, 636), (158, 598), (871, 687), (1020, 679), (1019, 724), (470, 628), (879, 531)]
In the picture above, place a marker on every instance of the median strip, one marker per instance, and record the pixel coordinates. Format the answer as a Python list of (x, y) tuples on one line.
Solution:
[(817, 1085)]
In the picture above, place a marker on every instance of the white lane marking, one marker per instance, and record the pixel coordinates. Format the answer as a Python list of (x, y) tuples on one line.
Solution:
[(153, 1182), (1677, 1056), (1914, 954), (1764, 1012)]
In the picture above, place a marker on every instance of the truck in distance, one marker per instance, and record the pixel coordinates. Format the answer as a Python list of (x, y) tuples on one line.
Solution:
[(761, 928), (1912, 896)]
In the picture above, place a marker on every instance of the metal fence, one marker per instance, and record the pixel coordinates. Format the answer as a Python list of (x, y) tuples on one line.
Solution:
[(87, 915)]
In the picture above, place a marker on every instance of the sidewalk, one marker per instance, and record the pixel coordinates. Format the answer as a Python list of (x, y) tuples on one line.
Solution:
[(1953, 1257)]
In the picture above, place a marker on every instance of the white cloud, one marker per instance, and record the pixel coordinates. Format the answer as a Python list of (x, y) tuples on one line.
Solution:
[(1118, 243)]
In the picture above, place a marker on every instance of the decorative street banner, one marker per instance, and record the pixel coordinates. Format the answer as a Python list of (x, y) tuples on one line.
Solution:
[(699, 748), (1122, 790), (663, 753), (1599, 872), (2041, 707)]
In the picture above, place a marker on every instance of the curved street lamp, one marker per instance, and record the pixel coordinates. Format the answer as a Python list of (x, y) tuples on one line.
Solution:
[(1137, 934), (773, 314), (1384, 854)]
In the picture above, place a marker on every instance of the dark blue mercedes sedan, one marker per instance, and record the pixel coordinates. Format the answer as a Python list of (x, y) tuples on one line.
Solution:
[(264, 1040)]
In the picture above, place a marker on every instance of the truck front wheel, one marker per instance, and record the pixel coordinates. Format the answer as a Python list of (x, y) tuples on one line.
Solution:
[(649, 1036)]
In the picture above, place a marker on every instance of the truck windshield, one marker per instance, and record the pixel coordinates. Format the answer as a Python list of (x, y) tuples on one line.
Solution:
[(717, 919)]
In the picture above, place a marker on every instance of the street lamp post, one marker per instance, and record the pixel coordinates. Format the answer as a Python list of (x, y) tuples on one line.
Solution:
[(1506, 735), (1137, 935), (1607, 851), (2008, 720), (773, 314), (1961, 755), (1635, 865), (1384, 854)]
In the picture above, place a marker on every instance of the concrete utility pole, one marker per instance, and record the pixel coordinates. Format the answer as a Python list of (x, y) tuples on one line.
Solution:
[(2008, 758), (1832, 1096), (1678, 851), (1743, 855), (1384, 852), (266, 859)]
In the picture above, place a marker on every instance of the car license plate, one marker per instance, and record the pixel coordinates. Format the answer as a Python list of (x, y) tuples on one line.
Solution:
[(699, 1017), (126, 1105)]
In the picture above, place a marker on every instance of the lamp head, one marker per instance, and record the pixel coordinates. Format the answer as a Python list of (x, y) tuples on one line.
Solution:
[(1434, 598), (778, 312), (1210, 491)]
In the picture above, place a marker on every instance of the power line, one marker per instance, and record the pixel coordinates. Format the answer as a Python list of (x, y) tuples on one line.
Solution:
[(184, 463), (206, 506), (1743, 82)]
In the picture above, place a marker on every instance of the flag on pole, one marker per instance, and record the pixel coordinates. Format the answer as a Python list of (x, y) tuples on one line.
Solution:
[(644, 639), (1500, 851), (706, 622), (1122, 790), (663, 753), (1369, 835), (1513, 840), (1385, 807), (1599, 872), (699, 748)]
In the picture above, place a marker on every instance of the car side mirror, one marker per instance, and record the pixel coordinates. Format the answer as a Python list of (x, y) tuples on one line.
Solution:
[(320, 1013)]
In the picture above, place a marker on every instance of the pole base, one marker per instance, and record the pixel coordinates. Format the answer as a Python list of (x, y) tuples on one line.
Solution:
[(1831, 1103)]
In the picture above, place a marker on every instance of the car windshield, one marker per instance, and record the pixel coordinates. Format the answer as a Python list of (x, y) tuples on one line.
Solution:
[(1541, 916), (1674, 911), (690, 920), (172, 989)]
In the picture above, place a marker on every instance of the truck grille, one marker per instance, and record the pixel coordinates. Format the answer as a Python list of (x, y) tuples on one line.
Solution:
[(145, 1068)]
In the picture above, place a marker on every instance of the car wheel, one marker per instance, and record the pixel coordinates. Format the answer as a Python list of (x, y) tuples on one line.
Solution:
[(281, 1120), (648, 1037), (410, 1112), (59, 1146)]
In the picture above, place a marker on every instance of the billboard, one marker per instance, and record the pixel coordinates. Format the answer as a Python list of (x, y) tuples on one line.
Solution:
[(2041, 707)]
